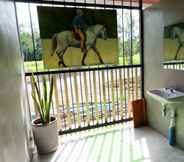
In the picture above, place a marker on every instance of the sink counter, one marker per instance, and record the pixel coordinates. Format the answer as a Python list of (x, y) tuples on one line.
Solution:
[(174, 101), (156, 120), (169, 94)]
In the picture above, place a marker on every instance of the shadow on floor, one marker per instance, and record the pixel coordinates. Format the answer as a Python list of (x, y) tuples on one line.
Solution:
[(119, 143)]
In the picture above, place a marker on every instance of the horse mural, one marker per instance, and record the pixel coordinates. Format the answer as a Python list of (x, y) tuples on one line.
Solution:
[(63, 40), (179, 34)]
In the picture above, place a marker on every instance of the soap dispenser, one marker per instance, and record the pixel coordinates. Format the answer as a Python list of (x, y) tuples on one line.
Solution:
[(171, 131)]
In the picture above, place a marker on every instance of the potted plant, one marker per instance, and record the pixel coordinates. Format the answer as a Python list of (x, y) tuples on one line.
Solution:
[(45, 125)]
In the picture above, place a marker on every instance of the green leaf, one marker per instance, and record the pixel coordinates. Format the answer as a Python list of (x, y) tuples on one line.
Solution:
[(44, 88), (38, 107), (36, 86), (50, 98), (43, 101)]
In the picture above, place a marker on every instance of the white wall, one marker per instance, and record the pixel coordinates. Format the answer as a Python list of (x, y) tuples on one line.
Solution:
[(13, 117), (155, 18)]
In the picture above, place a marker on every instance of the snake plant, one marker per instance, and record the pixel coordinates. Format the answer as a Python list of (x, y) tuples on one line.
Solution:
[(42, 97)]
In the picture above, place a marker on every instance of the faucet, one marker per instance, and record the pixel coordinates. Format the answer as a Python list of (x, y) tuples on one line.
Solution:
[(169, 89), (172, 90)]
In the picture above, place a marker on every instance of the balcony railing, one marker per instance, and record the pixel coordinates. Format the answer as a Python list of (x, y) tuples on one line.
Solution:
[(90, 97), (177, 65), (87, 98)]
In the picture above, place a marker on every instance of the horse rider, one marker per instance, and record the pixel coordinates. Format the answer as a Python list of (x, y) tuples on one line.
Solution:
[(79, 25)]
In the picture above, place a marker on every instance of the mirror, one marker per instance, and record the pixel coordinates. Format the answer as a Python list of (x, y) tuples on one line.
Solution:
[(174, 46)]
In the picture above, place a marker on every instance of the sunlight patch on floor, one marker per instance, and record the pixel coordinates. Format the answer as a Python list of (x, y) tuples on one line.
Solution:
[(118, 143)]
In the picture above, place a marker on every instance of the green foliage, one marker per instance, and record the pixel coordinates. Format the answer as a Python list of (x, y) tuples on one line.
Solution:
[(126, 47), (31, 54), (26, 42), (124, 60), (42, 98)]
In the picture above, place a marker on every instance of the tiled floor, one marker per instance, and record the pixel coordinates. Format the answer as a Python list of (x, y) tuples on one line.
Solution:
[(120, 143)]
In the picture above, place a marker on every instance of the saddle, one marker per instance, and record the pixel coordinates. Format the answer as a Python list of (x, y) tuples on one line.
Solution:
[(77, 36)]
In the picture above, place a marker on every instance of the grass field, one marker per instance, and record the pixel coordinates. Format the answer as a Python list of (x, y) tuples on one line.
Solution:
[(108, 50), (136, 60), (32, 66)]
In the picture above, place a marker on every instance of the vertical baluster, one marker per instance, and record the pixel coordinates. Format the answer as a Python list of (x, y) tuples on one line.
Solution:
[(121, 93), (58, 114), (86, 98), (128, 83), (95, 96), (139, 81), (117, 95), (112, 95), (72, 100), (82, 101), (136, 83), (68, 115), (91, 97), (109, 95), (104, 107), (63, 104), (132, 85), (100, 97), (125, 91), (77, 99)]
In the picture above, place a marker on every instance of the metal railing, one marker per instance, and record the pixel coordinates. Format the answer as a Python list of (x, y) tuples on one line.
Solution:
[(88, 98), (91, 97), (176, 65)]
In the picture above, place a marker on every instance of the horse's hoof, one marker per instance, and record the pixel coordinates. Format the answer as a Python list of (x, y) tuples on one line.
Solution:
[(59, 63), (101, 61), (83, 63), (64, 65)]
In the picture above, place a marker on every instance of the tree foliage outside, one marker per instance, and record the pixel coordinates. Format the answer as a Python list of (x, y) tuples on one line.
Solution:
[(129, 35), (31, 49)]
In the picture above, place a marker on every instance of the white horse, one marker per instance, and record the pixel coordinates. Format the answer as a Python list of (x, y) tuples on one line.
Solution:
[(63, 40), (179, 34)]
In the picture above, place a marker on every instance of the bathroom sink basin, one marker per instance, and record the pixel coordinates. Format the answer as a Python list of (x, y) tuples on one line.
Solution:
[(167, 93)]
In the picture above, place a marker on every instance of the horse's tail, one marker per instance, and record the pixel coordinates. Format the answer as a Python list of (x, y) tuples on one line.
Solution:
[(54, 43)]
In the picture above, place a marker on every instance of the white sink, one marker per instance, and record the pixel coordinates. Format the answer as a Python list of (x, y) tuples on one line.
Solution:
[(167, 93)]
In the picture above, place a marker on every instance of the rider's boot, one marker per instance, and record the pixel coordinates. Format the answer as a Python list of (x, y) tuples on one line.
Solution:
[(82, 46), (83, 63)]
